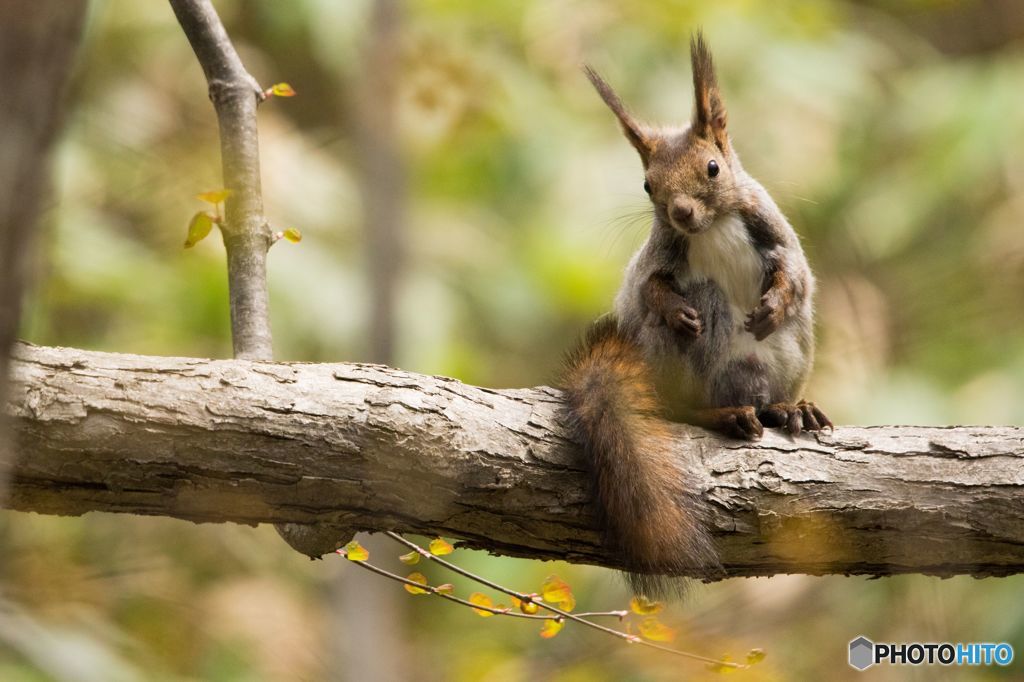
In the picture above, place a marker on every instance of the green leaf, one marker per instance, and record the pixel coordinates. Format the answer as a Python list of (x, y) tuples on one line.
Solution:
[(198, 228), (356, 552), (281, 90)]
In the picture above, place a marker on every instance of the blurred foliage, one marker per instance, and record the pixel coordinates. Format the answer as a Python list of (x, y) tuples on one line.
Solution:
[(890, 133)]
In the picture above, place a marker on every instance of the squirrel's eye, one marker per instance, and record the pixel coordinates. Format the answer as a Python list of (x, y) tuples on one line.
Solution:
[(712, 168), (647, 187)]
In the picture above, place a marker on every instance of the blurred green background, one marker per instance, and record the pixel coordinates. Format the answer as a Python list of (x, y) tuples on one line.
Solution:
[(889, 132)]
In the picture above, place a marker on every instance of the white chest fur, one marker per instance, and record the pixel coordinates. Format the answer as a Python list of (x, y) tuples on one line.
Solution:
[(723, 253)]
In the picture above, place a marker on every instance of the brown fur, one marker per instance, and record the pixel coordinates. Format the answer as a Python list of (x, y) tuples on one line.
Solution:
[(709, 115), (738, 422), (659, 292), (719, 251), (645, 503), (670, 308), (771, 311), (634, 131)]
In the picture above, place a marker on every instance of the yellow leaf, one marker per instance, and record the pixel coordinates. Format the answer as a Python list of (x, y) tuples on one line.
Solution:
[(282, 90), (755, 656), (721, 667), (356, 552), (528, 607), (556, 590), (481, 600), (447, 588), (551, 628), (439, 547), (653, 629), (644, 606), (198, 228), (410, 559), (292, 235), (214, 196), (416, 578)]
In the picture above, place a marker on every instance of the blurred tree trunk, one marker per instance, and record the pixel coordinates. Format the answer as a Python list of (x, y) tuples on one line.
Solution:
[(381, 174), (38, 41), (369, 613), (961, 28)]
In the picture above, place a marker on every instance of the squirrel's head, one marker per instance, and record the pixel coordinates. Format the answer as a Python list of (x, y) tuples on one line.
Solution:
[(689, 170)]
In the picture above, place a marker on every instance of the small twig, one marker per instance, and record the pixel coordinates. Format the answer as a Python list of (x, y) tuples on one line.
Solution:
[(431, 589), (632, 639), (595, 614), (235, 95)]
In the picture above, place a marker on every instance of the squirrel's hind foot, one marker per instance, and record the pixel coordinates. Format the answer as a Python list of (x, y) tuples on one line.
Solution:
[(801, 416)]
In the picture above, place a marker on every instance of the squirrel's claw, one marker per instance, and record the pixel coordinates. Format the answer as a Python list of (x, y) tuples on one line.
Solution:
[(811, 422), (685, 320), (763, 320), (749, 425), (776, 414), (802, 416), (742, 422), (814, 415), (766, 317)]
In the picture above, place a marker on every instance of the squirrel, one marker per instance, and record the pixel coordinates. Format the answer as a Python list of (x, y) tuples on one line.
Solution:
[(712, 326)]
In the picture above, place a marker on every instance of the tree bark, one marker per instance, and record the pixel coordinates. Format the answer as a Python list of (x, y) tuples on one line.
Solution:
[(247, 236), (375, 448)]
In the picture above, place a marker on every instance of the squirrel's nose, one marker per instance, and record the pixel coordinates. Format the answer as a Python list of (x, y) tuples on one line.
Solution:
[(681, 212)]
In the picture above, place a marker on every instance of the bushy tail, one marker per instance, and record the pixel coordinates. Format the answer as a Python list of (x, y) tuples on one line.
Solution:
[(649, 512)]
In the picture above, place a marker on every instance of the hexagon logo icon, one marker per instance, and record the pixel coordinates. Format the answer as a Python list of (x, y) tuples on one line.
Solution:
[(862, 653)]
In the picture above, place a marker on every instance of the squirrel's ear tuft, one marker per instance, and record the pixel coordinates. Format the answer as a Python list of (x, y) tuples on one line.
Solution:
[(709, 116), (634, 131)]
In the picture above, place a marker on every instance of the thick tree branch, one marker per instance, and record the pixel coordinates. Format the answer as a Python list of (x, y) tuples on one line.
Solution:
[(376, 448), (247, 237)]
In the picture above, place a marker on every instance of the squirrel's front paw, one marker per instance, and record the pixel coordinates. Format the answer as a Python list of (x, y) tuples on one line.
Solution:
[(765, 318), (685, 320), (738, 422)]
